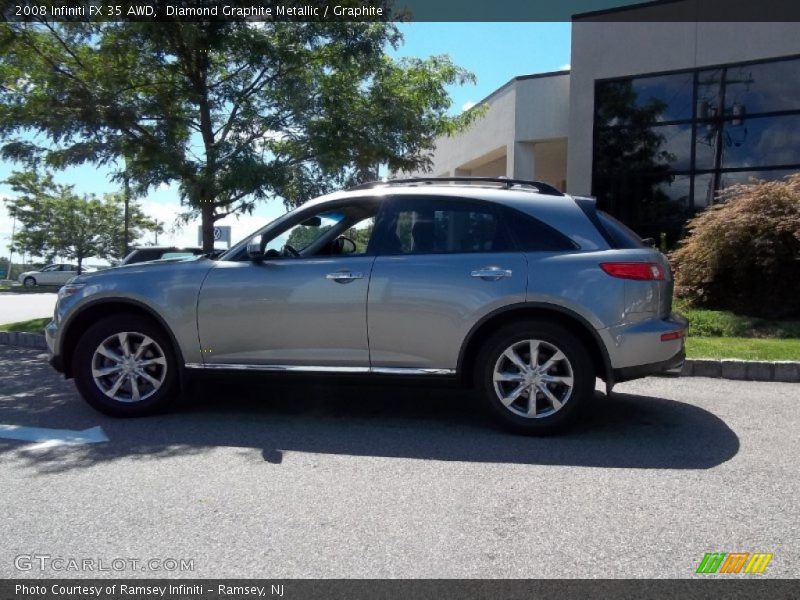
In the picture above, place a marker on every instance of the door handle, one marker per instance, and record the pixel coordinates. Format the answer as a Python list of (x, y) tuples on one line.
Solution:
[(491, 273), (344, 276)]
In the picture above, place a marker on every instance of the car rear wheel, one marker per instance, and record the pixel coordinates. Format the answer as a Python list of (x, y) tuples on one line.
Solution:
[(535, 376), (125, 367), (29, 282)]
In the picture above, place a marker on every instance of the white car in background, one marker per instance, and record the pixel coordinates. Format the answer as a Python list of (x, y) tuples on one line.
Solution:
[(57, 274)]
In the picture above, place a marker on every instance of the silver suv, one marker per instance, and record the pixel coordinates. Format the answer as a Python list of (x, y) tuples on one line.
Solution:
[(510, 286)]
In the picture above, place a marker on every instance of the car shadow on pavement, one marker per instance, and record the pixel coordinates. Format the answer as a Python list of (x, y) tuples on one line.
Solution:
[(349, 418)]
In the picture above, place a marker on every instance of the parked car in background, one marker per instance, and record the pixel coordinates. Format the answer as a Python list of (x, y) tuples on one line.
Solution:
[(147, 253), (510, 286), (56, 274)]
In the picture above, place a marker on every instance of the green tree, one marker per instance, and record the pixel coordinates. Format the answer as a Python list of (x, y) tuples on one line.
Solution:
[(233, 112), (743, 253), (54, 221)]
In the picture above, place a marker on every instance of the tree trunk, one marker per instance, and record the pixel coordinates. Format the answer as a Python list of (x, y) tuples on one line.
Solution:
[(80, 264), (207, 215)]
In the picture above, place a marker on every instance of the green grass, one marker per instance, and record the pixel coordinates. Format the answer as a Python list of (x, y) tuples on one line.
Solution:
[(722, 323), (29, 326), (743, 348)]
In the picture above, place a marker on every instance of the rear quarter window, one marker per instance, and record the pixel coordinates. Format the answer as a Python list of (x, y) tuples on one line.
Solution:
[(532, 235), (621, 235)]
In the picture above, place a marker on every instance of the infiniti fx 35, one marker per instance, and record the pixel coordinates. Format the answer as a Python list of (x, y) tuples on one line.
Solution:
[(512, 287)]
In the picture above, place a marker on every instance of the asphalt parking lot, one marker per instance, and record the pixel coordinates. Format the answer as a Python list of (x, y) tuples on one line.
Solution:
[(321, 479)]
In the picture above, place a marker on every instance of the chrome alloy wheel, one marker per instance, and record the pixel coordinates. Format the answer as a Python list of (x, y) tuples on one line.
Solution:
[(533, 379), (129, 367)]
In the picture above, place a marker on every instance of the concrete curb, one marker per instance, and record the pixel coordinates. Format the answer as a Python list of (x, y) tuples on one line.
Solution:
[(25, 340), (744, 370)]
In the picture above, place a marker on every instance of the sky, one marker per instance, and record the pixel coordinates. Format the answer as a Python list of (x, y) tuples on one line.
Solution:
[(494, 52)]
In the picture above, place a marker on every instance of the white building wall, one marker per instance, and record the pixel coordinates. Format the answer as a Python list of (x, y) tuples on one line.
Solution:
[(606, 50), (486, 137), (524, 111), (542, 108)]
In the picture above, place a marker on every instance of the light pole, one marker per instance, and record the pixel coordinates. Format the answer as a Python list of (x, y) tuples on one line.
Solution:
[(127, 198), (11, 246)]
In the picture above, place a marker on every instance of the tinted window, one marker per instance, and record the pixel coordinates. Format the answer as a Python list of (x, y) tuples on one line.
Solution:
[(433, 227), (644, 100), (531, 235), (621, 235), (757, 88)]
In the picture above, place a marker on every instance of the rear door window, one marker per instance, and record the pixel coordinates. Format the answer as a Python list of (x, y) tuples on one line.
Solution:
[(442, 226)]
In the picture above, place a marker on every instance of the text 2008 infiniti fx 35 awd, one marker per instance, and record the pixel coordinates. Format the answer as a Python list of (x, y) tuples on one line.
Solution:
[(513, 287)]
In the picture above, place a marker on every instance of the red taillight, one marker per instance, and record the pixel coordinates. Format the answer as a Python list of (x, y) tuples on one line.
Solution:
[(634, 270), (672, 335)]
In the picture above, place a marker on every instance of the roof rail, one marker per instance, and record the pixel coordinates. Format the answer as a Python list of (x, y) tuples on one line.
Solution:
[(540, 186)]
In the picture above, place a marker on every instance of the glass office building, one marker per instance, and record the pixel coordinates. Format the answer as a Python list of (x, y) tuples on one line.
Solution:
[(665, 144)]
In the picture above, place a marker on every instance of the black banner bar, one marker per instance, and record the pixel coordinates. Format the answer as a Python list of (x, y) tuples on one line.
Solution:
[(401, 10), (713, 587)]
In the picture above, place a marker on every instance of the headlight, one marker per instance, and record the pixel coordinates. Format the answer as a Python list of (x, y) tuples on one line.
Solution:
[(69, 289)]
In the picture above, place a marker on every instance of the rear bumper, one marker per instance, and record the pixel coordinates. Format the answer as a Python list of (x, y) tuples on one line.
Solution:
[(648, 347), (671, 366)]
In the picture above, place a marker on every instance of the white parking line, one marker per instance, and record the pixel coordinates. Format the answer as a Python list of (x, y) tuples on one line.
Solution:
[(48, 438)]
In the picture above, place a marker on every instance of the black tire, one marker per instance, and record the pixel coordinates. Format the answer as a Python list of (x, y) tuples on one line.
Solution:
[(29, 282), (83, 358), (553, 336)]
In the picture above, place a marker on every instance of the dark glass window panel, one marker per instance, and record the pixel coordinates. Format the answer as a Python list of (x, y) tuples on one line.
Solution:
[(751, 142), (706, 140), (675, 189), (763, 141), (644, 100), (643, 149), (648, 205), (764, 87), (703, 191), (705, 194), (675, 149), (737, 177)]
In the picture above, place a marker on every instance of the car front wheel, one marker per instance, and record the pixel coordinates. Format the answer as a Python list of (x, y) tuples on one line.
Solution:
[(535, 376), (29, 282), (125, 367)]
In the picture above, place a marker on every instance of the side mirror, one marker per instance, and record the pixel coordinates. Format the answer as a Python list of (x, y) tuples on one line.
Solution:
[(254, 250), (343, 245), (348, 246)]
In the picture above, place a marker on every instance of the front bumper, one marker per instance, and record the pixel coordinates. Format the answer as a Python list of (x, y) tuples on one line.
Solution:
[(49, 335)]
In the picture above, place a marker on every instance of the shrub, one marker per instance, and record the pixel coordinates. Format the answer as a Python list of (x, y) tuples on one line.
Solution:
[(743, 254)]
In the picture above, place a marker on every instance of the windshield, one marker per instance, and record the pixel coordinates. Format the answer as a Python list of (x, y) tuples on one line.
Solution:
[(302, 235)]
